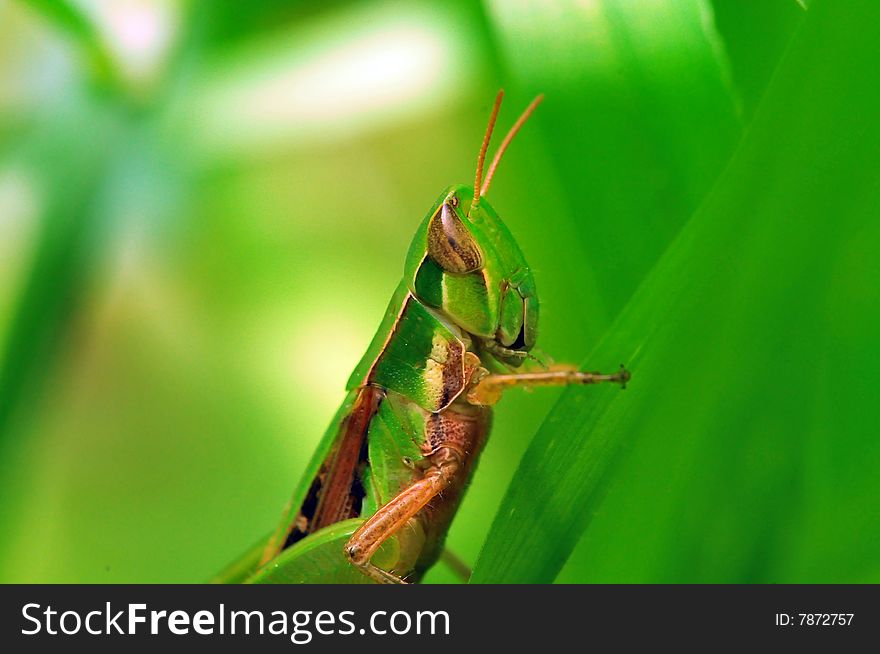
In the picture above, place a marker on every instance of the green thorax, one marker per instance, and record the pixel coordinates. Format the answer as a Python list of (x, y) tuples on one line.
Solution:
[(416, 353)]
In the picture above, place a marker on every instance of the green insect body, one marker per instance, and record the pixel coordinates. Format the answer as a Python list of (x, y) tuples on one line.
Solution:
[(380, 492)]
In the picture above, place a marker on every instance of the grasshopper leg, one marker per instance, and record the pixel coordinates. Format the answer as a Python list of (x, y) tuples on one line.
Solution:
[(455, 563), (392, 516), (488, 389)]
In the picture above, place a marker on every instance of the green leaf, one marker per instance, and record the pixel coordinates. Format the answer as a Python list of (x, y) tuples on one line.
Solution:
[(74, 164), (318, 559), (755, 34), (68, 18), (738, 453)]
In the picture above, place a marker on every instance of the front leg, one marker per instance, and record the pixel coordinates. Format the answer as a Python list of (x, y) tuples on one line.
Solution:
[(487, 389)]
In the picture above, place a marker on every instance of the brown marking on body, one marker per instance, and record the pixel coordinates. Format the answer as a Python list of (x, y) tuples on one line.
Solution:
[(336, 492), (337, 502), (453, 381)]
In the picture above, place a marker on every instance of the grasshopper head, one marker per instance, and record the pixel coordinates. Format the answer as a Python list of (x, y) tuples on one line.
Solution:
[(465, 263)]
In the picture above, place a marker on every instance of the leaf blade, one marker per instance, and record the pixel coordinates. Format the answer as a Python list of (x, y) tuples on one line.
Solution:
[(705, 323)]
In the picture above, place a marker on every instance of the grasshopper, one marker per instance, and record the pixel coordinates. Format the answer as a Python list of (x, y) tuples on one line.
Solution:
[(381, 490)]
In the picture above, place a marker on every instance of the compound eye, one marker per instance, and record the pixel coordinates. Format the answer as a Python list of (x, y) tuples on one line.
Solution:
[(450, 243)]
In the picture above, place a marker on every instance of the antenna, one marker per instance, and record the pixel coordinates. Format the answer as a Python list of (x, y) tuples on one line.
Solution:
[(482, 158), (503, 148)]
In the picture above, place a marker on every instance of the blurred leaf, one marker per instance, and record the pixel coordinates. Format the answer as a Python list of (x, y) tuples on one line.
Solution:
[(68, 18), (755, 35), (739, 452), (72, 164), (638, 121), (224, 23), (69, 166)]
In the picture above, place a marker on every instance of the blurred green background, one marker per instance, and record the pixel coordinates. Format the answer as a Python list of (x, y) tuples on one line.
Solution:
[(204, 208)]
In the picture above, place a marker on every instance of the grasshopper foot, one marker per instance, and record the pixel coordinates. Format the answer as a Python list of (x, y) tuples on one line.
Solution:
[(623, 376)]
